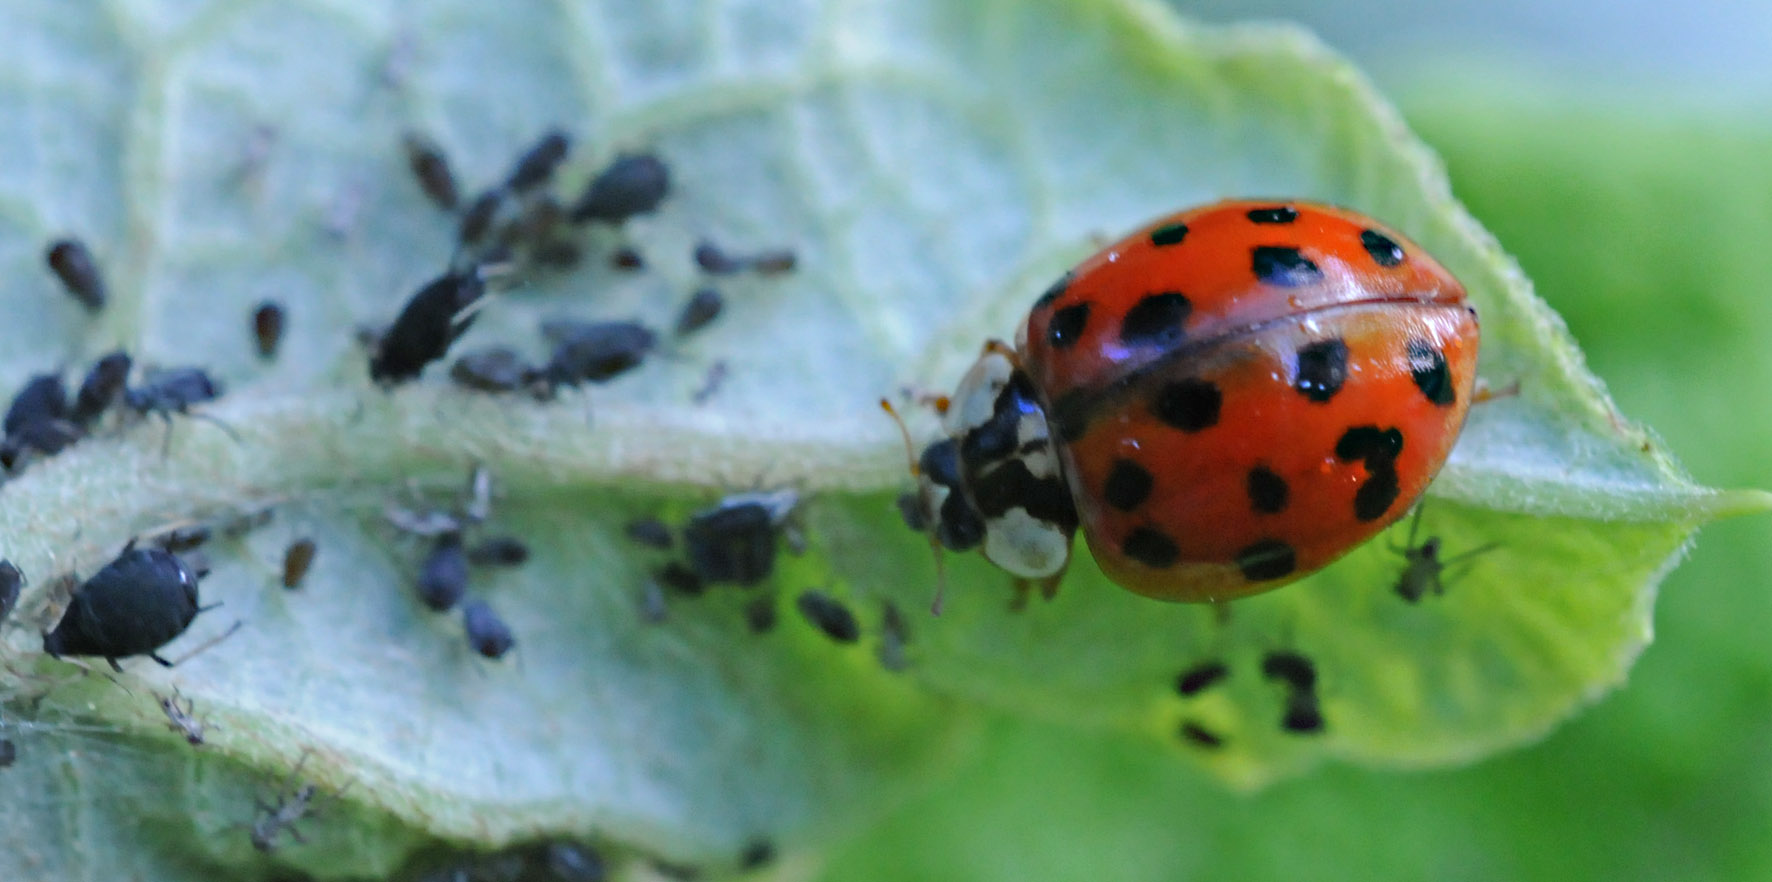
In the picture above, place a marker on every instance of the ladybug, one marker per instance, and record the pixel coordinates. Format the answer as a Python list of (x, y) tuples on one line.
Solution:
[(1225, 401)]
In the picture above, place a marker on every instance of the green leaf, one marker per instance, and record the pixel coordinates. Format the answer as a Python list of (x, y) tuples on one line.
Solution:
[(934, 165)]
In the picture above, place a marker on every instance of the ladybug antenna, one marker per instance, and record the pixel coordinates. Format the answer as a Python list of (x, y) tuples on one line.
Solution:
[(910, 447)]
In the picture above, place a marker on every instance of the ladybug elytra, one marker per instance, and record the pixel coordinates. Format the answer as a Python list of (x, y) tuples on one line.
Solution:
[(1224, 401)]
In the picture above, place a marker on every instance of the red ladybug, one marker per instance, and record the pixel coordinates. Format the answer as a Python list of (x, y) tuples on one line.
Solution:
[(1225, 401)]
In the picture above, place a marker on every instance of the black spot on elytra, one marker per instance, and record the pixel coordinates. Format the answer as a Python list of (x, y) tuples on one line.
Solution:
[(1268, 492), (1151, 548), (1200, 677), (1374, 446), (1168, 234), (1156, 320), (1066, 325), (1128, 485), (1384, 250), (1267, 560), (1188, 405), (1427, 366), (1055, 291), (1200, 736), (1279, 214), (1011, 485), (1377, 494), (1322, 368), (1285, 266)]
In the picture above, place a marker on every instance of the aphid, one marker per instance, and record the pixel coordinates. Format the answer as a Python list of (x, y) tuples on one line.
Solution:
[(1290, 668), (43, 399), (11, 581), (167, 391), (443, 578), (431, 168), (138, 603), (1225, 401), (8, 753), (100, 387), (536, 166), (499, 551), (594, 352), (680, 579), (492, 369), (632, 185), (46, 437), (769, 263), (1200, 677), (179, 716), (1200, 736), (182, 538), (487, 633), (1303, 715), (432, 319), (735, 540), (711, 382), (759, 614), (297, 558), (712, 259), (476, 222), (281, 814), (1423, 567), (829, 615), (910, 510), (267, 328), (650, 532), (701, 309), (895, 634), (627, 258), (570, 862), (78, 272), (757, 855)]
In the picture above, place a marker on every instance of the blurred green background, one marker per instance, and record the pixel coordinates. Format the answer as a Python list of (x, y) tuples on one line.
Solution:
[(1623, 153)]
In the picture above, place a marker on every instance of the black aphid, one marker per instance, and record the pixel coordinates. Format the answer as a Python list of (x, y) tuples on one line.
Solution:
[(183, 538), (43, 399), (680, 579), (78, 272), (166, 391), (493, 369), (297, 558), (595, 351), (499, 551), (432, 320), (571, 862), (626, 258), (1291, 668), (443, 578), (281, 814), (1200, 677), (650, 532), (138, 603), (11, 580), (431, 168), (759, 613), (476, 222), (714, 260), (46, 437), (487, 633), (829, 615), (701, 309), (100, 387), (633, 184), (536, 166), (757, 855), (267, 328), (735, 540)]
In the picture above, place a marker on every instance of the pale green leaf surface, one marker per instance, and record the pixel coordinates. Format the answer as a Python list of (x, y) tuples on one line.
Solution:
[(934, 164)]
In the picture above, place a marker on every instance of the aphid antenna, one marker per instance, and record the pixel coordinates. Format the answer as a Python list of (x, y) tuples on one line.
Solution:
[(207, 644)]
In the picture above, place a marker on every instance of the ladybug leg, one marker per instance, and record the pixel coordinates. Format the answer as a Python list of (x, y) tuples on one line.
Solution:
[(1019, 601), (114, 665), (1049, 585), (153, 655)]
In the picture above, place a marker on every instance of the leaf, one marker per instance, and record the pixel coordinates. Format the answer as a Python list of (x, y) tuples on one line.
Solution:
[(932, 165)]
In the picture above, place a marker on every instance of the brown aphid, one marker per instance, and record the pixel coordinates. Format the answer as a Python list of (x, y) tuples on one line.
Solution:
[(74, 265), (180, 717), (267, 328), (769, 263), (297, 558)]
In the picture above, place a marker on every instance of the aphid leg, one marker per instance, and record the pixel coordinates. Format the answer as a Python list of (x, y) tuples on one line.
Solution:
[(1486, 393), (1049, 585), (1019, 600), (1414, 524)]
